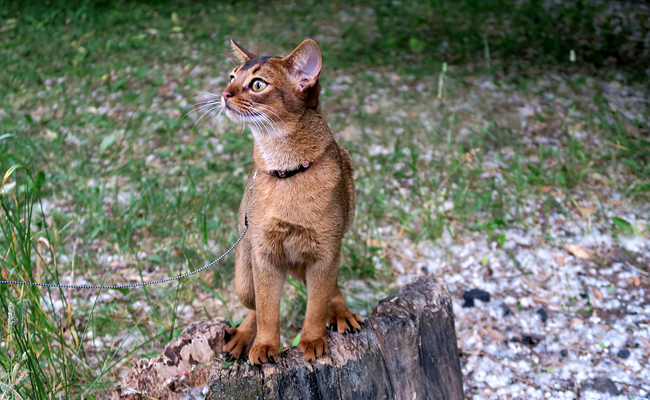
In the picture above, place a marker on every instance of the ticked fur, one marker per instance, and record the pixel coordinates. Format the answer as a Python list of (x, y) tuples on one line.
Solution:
[(296, 224)]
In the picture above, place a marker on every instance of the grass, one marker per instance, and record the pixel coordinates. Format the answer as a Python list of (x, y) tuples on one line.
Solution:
[(117, 186)]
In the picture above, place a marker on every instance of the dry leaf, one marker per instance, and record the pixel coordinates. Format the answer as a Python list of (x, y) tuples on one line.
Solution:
[(596, 295), (634, 281), (586, 211), (372, 242), (494, 335), (577, 251)]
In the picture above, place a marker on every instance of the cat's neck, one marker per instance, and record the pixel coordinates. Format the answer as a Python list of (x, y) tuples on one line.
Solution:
[(293, 143)]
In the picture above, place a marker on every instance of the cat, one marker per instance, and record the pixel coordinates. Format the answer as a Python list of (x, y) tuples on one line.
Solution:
[(298, 203)]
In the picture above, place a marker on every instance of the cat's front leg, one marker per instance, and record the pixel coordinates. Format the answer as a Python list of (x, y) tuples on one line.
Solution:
[(269, 279), (321, 279)]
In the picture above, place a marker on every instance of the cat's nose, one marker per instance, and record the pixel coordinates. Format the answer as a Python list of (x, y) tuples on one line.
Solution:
[(226, 95)]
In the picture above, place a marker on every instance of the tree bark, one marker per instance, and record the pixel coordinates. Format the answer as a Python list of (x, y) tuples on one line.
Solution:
[(406, 350)]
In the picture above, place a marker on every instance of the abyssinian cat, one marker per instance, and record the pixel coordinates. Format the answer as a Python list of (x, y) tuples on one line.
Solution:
[(298, 203)]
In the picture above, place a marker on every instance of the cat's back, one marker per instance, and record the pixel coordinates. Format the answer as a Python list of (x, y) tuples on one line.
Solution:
[(347, 171)]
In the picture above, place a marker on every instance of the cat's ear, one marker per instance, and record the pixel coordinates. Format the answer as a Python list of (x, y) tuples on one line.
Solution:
[(304, 64), (242, 54)]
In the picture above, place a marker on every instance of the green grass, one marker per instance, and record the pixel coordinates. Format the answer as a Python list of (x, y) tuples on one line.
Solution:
[(118, 185), (93, 40)]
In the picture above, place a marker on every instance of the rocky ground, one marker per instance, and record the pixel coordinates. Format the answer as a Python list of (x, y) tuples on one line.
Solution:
[(563, 318)]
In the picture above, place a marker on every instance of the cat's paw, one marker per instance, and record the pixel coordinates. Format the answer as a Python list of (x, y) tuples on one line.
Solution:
[(238, 341), (264, 353), (312, 349), (345, 321)]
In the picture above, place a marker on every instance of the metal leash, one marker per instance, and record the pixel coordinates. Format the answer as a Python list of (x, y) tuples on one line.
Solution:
[(141, 284)]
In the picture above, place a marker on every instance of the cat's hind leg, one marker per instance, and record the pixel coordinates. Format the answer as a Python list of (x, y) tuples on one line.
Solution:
[(240, 339), (342, 319)]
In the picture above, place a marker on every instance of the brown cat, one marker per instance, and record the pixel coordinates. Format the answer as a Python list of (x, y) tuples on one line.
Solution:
[(298, 203)]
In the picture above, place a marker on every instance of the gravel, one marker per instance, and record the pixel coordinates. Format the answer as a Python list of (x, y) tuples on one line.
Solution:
[(558, 325)]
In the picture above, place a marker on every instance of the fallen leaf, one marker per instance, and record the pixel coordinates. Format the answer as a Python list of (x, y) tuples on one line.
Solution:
[(577, 251), (376, 243), (586, 211), (526, 112), (106, 143), (596, 295), (494, 335), (50, 135), (634, 281)]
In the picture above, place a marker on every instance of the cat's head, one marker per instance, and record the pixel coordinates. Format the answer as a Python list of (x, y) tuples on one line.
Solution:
[(269, 91)]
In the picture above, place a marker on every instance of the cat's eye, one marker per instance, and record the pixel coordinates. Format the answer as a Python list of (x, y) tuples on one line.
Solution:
[(232, 78), (258, 85)]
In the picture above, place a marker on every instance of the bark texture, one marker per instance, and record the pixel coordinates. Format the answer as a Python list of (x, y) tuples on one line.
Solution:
[(406, 350)]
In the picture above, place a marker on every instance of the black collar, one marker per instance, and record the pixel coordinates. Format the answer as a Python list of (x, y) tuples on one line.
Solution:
[(285, 174)]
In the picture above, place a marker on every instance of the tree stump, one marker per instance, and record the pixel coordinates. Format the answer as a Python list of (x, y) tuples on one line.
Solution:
[(406, 350)]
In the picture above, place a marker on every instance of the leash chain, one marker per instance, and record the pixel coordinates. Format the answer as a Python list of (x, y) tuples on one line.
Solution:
[(134, 285), (141, 284)]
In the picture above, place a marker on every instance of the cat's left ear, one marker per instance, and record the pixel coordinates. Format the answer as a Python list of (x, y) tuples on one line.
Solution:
[(242, 54), (304, 64)]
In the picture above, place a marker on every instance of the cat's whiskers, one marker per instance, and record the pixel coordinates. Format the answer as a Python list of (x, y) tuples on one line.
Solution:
[(209, 112), (243, 127), (212, 94), (268, 123), (263, 123), (280, 132), (268, 126), (233, 63), (239, 116), (213, 98), (216, 119), (200, 106), (266, 108), (259, 118), (253, 120), (256, 127), (254, 117)]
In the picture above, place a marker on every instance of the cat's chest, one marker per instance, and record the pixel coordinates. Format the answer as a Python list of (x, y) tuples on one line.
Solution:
[(303, 199)]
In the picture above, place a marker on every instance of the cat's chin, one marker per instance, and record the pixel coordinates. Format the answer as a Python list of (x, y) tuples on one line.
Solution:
[(234, 115), (238, 117)]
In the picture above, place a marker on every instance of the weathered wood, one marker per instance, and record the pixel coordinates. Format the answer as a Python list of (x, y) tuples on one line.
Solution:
[(406, 350)]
